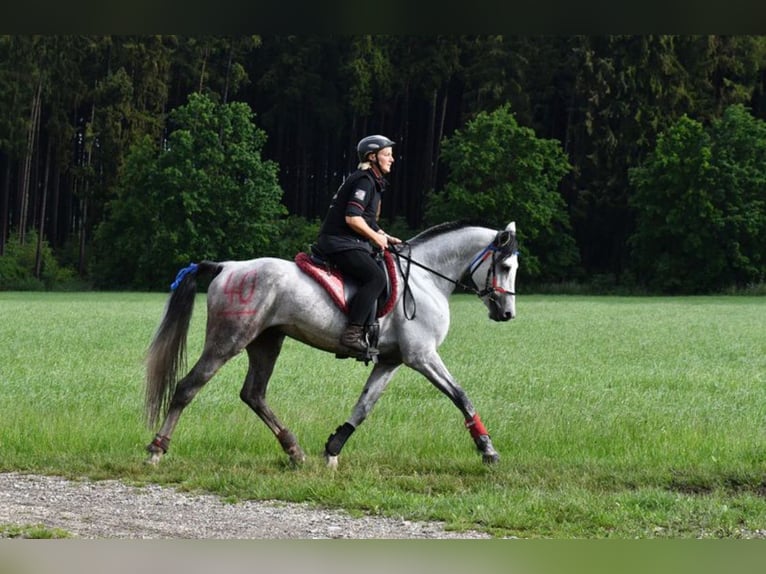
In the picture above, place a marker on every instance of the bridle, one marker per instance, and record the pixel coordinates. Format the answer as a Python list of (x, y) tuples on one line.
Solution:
[(501, 247)]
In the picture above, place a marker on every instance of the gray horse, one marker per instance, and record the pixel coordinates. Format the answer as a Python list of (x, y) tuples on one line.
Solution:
[(253, 305)]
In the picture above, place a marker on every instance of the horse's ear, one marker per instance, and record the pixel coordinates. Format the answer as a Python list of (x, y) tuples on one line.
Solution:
[(511, 227)]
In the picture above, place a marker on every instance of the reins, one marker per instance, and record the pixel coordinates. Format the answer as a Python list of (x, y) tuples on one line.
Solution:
[(406, 275), (490, 249)]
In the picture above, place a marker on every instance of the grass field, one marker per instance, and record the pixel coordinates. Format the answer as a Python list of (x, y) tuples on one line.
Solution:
[(614, 417)]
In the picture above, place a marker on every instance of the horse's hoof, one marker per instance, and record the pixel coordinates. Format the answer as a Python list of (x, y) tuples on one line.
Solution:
[(291, 447), (331, 461), (490, 458), (297, 456), (154, 458)]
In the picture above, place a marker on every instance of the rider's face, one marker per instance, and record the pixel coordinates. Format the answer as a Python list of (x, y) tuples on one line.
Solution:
[(385, 159)]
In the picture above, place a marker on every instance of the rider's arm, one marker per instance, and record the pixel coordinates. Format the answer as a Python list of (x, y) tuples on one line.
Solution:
[(358, 224)]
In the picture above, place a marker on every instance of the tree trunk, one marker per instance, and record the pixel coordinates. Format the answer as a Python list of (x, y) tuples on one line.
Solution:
[(84, 202), (400, 206), (34, 125), (228, 74), (41, 229), (431, 142), (83, 219), (53, 231), (438, 140), (204, 67), (6, 201)]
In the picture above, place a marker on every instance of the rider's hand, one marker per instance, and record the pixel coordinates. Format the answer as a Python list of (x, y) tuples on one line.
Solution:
[(380, 240)]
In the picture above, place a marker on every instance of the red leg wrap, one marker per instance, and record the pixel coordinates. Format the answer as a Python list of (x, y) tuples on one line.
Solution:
[(475, 426), (161, 442)]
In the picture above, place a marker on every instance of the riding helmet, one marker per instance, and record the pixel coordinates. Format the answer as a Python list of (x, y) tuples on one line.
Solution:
[(371, 144)]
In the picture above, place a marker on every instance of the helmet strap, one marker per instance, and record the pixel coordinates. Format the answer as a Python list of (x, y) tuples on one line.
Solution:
[(375, 167)]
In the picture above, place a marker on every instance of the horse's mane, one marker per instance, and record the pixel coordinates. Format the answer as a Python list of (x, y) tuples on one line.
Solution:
[(440, 229)]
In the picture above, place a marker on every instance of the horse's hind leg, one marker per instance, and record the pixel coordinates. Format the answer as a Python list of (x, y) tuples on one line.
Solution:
[(263, 353), (187, 389)]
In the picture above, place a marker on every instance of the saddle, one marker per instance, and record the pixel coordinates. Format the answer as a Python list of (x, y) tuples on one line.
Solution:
[(342, 289)]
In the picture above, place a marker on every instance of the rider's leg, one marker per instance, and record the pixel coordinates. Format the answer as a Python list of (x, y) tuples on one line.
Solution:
[(360, 266)]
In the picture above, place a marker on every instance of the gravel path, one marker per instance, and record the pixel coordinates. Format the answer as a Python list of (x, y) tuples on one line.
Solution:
[(110, 509)]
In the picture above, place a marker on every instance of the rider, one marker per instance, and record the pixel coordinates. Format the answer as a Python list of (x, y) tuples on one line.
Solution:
[(350, 231)]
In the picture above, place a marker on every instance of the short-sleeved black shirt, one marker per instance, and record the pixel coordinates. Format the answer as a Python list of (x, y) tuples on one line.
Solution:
[(359, 195)]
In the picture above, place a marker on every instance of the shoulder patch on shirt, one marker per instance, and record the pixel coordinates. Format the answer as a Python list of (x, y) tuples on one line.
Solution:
[(360, 194)]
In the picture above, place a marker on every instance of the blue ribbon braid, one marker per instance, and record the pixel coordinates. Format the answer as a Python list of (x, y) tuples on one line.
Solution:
[(192, 268)]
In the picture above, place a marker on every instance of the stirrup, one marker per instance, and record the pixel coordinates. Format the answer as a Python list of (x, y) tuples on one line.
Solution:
[(370, 352), (370, 355)]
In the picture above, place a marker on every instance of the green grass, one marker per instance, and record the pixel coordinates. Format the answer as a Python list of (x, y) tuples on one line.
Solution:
[(32, 531), (614, 417)]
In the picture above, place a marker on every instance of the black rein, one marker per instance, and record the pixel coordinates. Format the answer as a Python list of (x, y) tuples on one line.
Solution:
[(406, 275)]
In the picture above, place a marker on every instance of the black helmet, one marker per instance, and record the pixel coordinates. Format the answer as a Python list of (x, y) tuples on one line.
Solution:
[(370, 144)]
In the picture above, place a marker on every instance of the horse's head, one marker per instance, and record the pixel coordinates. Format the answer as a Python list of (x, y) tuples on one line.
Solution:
[(499, 293)]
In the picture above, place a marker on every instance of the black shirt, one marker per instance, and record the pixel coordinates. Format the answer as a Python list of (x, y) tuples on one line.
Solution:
[(359, 195)]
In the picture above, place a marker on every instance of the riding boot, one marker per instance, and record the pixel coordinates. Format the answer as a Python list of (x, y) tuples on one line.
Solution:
[(353, 338)]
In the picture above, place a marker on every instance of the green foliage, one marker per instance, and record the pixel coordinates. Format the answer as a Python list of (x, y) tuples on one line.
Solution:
[(604, 97), (207, 194), (368, 70), (398, 227), (701, 214), (500, 171), (295, 234), (628, 89), (17, 267)]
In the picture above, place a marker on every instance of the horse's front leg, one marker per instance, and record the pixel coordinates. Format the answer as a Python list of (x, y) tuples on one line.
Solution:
[(432, 367), (376, 383)]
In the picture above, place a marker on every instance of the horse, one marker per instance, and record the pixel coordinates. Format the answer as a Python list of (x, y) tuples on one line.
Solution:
[(253, 305)]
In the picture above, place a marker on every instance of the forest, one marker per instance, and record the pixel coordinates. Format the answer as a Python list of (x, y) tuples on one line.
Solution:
[(632, 161)]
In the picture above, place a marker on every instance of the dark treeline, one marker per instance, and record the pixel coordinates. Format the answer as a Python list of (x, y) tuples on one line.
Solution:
[(74, 105)]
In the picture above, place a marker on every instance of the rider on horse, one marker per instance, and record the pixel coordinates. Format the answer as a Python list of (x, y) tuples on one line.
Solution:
[(350, 231)]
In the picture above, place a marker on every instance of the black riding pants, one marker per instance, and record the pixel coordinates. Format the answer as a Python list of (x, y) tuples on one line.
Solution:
[(360, 266)]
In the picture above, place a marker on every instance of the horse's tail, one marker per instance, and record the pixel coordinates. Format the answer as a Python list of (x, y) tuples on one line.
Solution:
[(166, 355)]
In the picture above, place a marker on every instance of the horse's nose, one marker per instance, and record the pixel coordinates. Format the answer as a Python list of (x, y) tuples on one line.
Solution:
[(508, 316)]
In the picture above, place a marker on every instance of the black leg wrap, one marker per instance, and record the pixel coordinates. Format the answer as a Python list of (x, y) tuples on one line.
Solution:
[(336, 441)]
